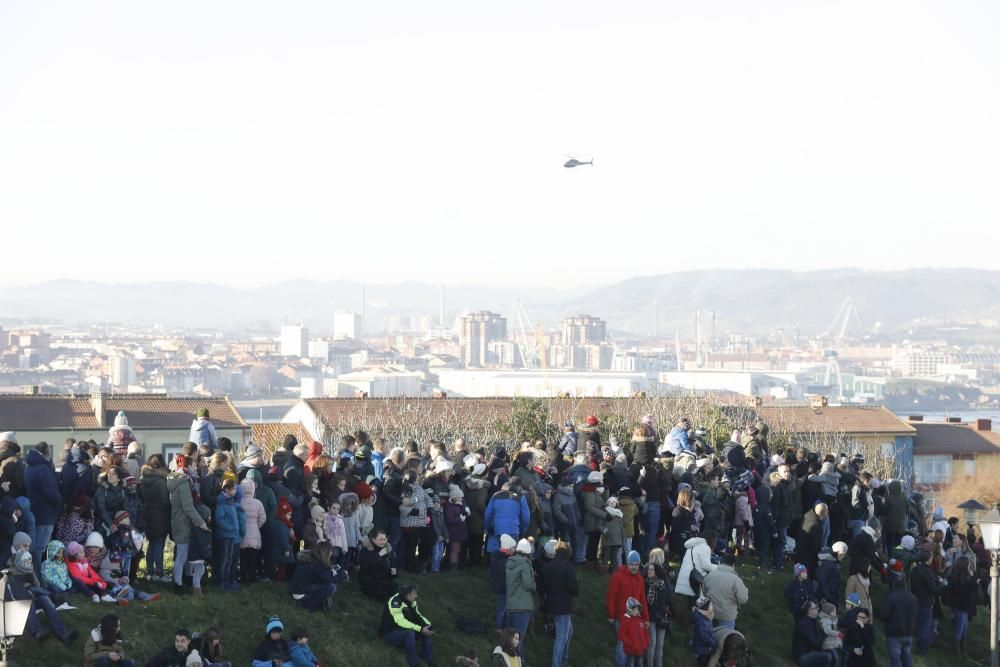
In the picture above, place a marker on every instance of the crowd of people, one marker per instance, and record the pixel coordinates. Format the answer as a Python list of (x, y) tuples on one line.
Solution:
[(80, 522)]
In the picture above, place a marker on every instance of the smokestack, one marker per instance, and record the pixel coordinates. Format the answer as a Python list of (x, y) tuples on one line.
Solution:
[(984, 424)]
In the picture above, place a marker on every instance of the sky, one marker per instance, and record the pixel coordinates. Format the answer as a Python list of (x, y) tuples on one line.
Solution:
[(245, 143)]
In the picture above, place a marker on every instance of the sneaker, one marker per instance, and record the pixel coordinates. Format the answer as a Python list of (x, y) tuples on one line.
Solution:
[(122, 602), (107, 598), (69, 637), (95, 598), (65, 606), (153, 598)]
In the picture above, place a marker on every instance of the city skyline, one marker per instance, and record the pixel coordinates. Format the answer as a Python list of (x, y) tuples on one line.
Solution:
[(243, 144)]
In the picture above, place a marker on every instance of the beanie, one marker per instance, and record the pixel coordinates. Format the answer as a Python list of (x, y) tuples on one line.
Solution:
[(289, 441), (202, 412), (839, 548), (454, 492), (524, 547), (194, 660), (633, 557), (121, 419), (799, 569), (20, 539), (74, 549), (95, 540), (274, 623), (592, 421), (828, 608), (363, 490), (550, 548), (507, 543), (907, 542), (121, 516), (854, 600), (703, 603)]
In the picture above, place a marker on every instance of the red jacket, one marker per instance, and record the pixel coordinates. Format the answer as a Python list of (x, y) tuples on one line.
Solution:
[(624, 585), (633, 633), (82, 572)]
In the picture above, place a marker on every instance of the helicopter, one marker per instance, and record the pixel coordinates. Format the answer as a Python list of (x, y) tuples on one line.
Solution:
[(573, 162)]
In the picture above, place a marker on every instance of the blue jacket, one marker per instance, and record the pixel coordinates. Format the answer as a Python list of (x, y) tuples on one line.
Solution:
[(703, 637), (505, 515), (76, 478), (302, 655), (378, 468), (227, 519), (677, 441), (42, 488), (27, 523), (203, 432)]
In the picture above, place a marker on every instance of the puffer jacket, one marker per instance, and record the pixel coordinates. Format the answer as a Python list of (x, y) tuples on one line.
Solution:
[(477, 495), (108, 500), (592, 504), (227, 520), (828, 579), (253, 510), (156, 501), (55, 574), (520, 584), (698, 554), (183, 514), (76, 477), (42, 488), (506, 514), (622, 586), (203, 432), (566, 512)]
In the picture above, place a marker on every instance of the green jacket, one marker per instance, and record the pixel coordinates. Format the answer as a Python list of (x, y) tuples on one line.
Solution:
[(183, 514), (264, 494), (614, 535), (592, 508), (520, 584)]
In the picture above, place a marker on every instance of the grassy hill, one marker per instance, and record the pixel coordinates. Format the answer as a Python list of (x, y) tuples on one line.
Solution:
[(347, 636)]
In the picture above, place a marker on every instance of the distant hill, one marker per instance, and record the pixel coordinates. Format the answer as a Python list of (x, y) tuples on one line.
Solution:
[(749, 301)]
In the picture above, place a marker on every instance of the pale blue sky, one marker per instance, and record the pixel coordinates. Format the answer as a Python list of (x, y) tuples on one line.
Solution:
[(249, 142)]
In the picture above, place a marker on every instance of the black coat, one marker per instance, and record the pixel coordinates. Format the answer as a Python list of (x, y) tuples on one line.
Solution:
[(558, 585), (924, 584), (375, 575), (168, 657), (828, 585), (810, 541), (899, 613), (857, 637), (781, 504), (807, 638)]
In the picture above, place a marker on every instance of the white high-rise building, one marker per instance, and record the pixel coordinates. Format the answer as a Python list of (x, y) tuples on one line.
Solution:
[(346, 324), (319, 349), (122, 371), (294, 340)]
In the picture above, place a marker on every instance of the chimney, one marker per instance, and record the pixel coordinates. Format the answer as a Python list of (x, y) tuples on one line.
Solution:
[(32, 390), (97, 405), (361, 394), (437, 393), (954, 420), (818, 402), (916, 418), (984, 424)]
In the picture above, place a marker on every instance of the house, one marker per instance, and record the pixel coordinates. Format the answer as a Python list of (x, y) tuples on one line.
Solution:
[(944, 450), (269, 435), (870, 429), (161, 423)]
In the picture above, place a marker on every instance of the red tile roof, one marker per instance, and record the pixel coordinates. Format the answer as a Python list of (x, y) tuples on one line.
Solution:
[(944, 438), (59, 411), (846, 419), (22, 412)]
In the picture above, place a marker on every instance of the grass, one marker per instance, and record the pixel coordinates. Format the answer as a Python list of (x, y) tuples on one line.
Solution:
[(348, 635)]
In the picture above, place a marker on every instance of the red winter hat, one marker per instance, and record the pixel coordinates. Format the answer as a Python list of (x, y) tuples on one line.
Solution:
[(121, 516), (284, 507), (363, 490), (592, 421)]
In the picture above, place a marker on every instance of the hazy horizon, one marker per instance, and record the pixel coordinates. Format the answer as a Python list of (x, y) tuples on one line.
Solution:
[(245, 144)]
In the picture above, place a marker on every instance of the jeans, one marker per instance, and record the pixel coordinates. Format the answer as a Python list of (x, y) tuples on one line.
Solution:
[(726, 624), (619, 649), (826, 530), (316, 595), (519, 620), (652, 525), (657, 638), (43, 533), (180, 559), (436, 555), (580, 546), (407, 640), (225, 562), (925, 629), (396, 538), (501, 610), (105, 662), (626, 545), (817, 659), (960, 623), (154, 556), (898, 649), (564, 633), (44, 602)]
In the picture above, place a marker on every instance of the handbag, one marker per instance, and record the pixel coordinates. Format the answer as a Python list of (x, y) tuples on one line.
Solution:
[(695, 577)]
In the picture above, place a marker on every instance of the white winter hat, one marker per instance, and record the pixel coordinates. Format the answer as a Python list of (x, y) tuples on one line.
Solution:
[(507, 543), (478, 469), (8, 436), (777, 460), (194, 658), (907, 542), (470, 461), (839, 548), (524, 547), (94, 540), (121, 419)]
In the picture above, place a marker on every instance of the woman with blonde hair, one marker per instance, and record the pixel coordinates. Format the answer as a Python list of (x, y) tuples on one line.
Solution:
[(681, 521)]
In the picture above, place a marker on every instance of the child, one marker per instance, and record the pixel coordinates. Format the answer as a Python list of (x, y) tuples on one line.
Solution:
[(252, 542), (455, 516), (336, 532), (121, 548), (85, 579), (105, 645), (283, 537), (315, 529), (744, 516), (274, 649), (507, 653), (799, 590), (230, 525), (112, 573), (299, 651), (833, 639), (613, 535), (349, 513), (209, 646), (703, 639), (633, 633), (436, 514), (76, 524), (366, 508), (55, 573)]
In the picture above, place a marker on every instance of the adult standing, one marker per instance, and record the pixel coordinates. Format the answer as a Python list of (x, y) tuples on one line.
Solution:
[(899, 612), (810, 539), (560, 584), (894, 526), (42, 488), (654, 482), (625, 583), (184, 519), (658, 604), (156, 509), (698, 556), (726, 591), (520, 588), (925, 587), (962, 592)]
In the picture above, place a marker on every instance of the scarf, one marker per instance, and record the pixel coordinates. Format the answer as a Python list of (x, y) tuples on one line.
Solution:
[(192, 478)]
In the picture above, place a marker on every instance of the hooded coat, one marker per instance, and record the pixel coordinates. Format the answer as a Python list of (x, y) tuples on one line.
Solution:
[(622, 586), (896, 506), (108, 500), (183, 514), (697, 554), (55, 574), (520, 584), (75, 476), (203, 432), (315, 451), (42, 488), (156, 501), (506, 514), (253, 510)]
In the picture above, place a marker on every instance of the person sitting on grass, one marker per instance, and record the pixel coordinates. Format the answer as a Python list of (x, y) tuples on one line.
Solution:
[(273, 651), (316, 578), (507, 653), (175, 655), (301, 654), (378, 570), (403, 624), (105, 647), (85, 579)]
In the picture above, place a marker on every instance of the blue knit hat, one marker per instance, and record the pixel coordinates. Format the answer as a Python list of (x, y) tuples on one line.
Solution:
[(854, 600), (274, 623), (633, 557)]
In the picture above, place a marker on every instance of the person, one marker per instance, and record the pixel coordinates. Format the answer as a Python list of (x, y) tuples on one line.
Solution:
[(378, 567), (962, 593), (23, 573), (612, 535), (403, 626), (254, 519), (677, 441), (658, 589), (498, 578), (315, 581), (633, 633), (859, 641), (230, 525), (110, 497), (55, 570), (625, 583), (810, 539), (726, 590), (156, 505), (508, 653), (832, 636), (202, 430), (807, 642), (274, 647), (828, 573), (560, 584), (176, 654), (42, 488), (298, 649), (900, 614), (85, 579), (105, 646), (209, 647), (76, 523), (520, 588), (184, 519), (859, 582), (456, 516), (926, 587), (702, 637), (76, 477), (698, 556)]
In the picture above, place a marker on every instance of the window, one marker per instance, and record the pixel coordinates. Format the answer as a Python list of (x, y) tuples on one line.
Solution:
[(170, 450), (932, 469), (888, 450), (970, 467)]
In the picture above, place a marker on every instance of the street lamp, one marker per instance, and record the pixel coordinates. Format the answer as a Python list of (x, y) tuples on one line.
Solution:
[(989, 524), (13, 617), (972, 509)]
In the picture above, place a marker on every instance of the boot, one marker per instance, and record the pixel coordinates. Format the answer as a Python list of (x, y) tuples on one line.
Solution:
[(196, 592)]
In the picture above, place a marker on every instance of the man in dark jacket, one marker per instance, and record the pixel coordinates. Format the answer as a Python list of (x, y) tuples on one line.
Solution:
[(43, 491), (828, 584), (403, 625), (176, 655), (810, 539), (926, 587), (900, 615), (11, 468), (896, 506), (559, 585)]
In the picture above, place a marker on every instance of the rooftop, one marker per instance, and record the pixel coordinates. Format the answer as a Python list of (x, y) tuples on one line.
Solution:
[(949, 438), (847, 419), (27, 412)]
